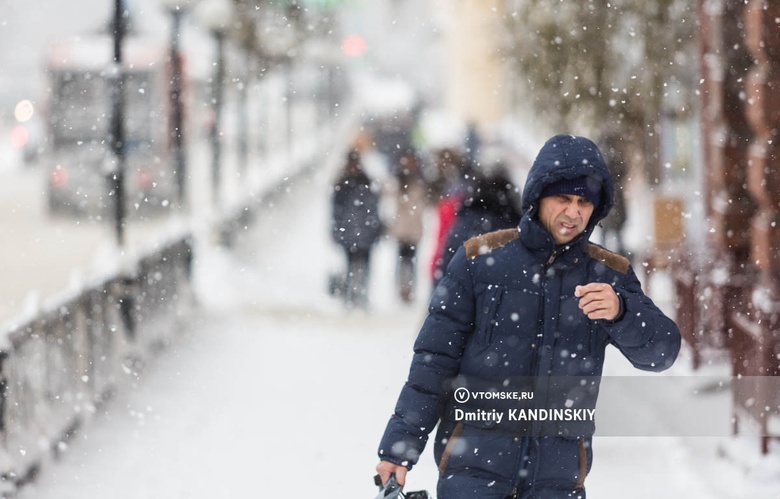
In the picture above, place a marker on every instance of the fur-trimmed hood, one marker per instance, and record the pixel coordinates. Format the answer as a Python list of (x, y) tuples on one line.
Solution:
[(567, 157)]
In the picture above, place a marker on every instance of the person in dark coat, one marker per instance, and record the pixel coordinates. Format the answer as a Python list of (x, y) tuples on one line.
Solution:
[(492, 204), (355, 226), (612, 225), (525, 310)]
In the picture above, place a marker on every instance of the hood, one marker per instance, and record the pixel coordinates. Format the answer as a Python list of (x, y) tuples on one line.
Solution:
[(567, 157)]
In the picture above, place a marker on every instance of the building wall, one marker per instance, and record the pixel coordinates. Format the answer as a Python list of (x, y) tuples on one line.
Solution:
[(476, 77)]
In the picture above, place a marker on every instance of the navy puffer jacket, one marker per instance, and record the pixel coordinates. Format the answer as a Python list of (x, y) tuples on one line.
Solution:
[(355, 222), (506, 310)]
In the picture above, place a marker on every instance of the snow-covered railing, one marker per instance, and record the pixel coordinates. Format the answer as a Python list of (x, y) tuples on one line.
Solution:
[(236, 217), (755, 348), (703, 280), (59, 366), (699, 305)]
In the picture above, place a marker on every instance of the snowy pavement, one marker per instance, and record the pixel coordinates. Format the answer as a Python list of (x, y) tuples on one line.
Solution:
[(274, 391)]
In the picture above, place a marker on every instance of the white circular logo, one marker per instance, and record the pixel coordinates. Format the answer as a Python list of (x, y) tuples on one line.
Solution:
[(462, 395)]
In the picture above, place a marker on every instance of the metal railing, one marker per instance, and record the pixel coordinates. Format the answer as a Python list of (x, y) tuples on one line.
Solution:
[(58, 367), (713, 316)]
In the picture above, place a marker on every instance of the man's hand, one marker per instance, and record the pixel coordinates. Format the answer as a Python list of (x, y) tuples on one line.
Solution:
[(386, 468), (598, 300)]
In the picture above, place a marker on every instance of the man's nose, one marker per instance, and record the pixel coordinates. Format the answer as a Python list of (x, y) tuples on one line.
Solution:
[(572, 210)]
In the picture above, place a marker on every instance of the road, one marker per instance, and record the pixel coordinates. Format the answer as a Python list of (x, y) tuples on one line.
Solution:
[(43, 256), (39, 254)]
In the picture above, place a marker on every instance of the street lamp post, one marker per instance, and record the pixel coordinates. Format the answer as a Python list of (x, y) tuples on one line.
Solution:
[(216, 15), (217, 91), (243, 111), (117, 137), (178, 8)]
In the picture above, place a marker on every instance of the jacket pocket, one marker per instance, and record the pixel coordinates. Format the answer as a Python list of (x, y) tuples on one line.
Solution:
[(562, 461), (493, 297), (445, 456)]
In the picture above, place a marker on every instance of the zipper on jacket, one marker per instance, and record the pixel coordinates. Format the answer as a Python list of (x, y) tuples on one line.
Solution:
[(496, 295), (540, 320), (539, 335)]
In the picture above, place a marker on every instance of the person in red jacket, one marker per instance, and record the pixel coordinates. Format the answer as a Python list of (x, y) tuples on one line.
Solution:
[(453, 185)]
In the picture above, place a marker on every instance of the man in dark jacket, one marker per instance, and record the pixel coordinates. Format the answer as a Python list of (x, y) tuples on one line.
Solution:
[(355, 226), (526, 310)]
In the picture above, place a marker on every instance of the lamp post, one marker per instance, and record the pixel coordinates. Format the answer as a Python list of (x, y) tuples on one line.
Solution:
[(216, 16), (243, 111), (117, 134), (178, 8)]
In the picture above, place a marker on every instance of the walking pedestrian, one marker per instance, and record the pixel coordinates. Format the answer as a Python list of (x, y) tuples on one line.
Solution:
[(355, 226), (455, 179), (612, 224), (534, 305), (493, 204), (410, 196)]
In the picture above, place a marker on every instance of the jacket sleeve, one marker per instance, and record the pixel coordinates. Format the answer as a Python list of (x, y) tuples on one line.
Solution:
[(437, 356), (644, 334)]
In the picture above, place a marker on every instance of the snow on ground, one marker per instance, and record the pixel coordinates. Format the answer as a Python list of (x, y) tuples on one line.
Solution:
[(273, 390)]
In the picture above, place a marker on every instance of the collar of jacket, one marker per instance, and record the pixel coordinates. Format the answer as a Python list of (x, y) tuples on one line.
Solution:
[(542, 245)]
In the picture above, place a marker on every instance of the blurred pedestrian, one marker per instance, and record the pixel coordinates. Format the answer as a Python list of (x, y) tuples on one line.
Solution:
[(455, 178), (612, 146), (493, 204), (355, 226), (410, 195)]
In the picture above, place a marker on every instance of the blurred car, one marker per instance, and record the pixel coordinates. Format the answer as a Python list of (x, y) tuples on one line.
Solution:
[(79, 156)]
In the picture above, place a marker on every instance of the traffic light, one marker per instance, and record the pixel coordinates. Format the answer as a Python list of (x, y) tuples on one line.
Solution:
[(354, 45)]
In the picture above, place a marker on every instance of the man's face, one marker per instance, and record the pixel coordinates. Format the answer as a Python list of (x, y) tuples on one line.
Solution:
[(565, 216)]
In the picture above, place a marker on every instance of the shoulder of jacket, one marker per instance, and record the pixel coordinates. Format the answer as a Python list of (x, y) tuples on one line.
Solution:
[(616, 262), (485, 243)]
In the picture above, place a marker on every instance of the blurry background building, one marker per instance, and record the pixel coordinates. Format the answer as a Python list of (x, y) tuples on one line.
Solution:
[(476, 74)]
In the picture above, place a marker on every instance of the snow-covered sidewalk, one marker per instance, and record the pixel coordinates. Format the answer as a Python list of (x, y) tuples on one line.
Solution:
[(274, 390)]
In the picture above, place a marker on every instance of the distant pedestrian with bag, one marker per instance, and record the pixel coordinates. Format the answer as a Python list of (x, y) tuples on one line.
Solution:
[(356, 226)]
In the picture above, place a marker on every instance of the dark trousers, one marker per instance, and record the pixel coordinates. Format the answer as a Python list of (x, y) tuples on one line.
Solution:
[(406, 272), (356, 289), (464, 487)]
